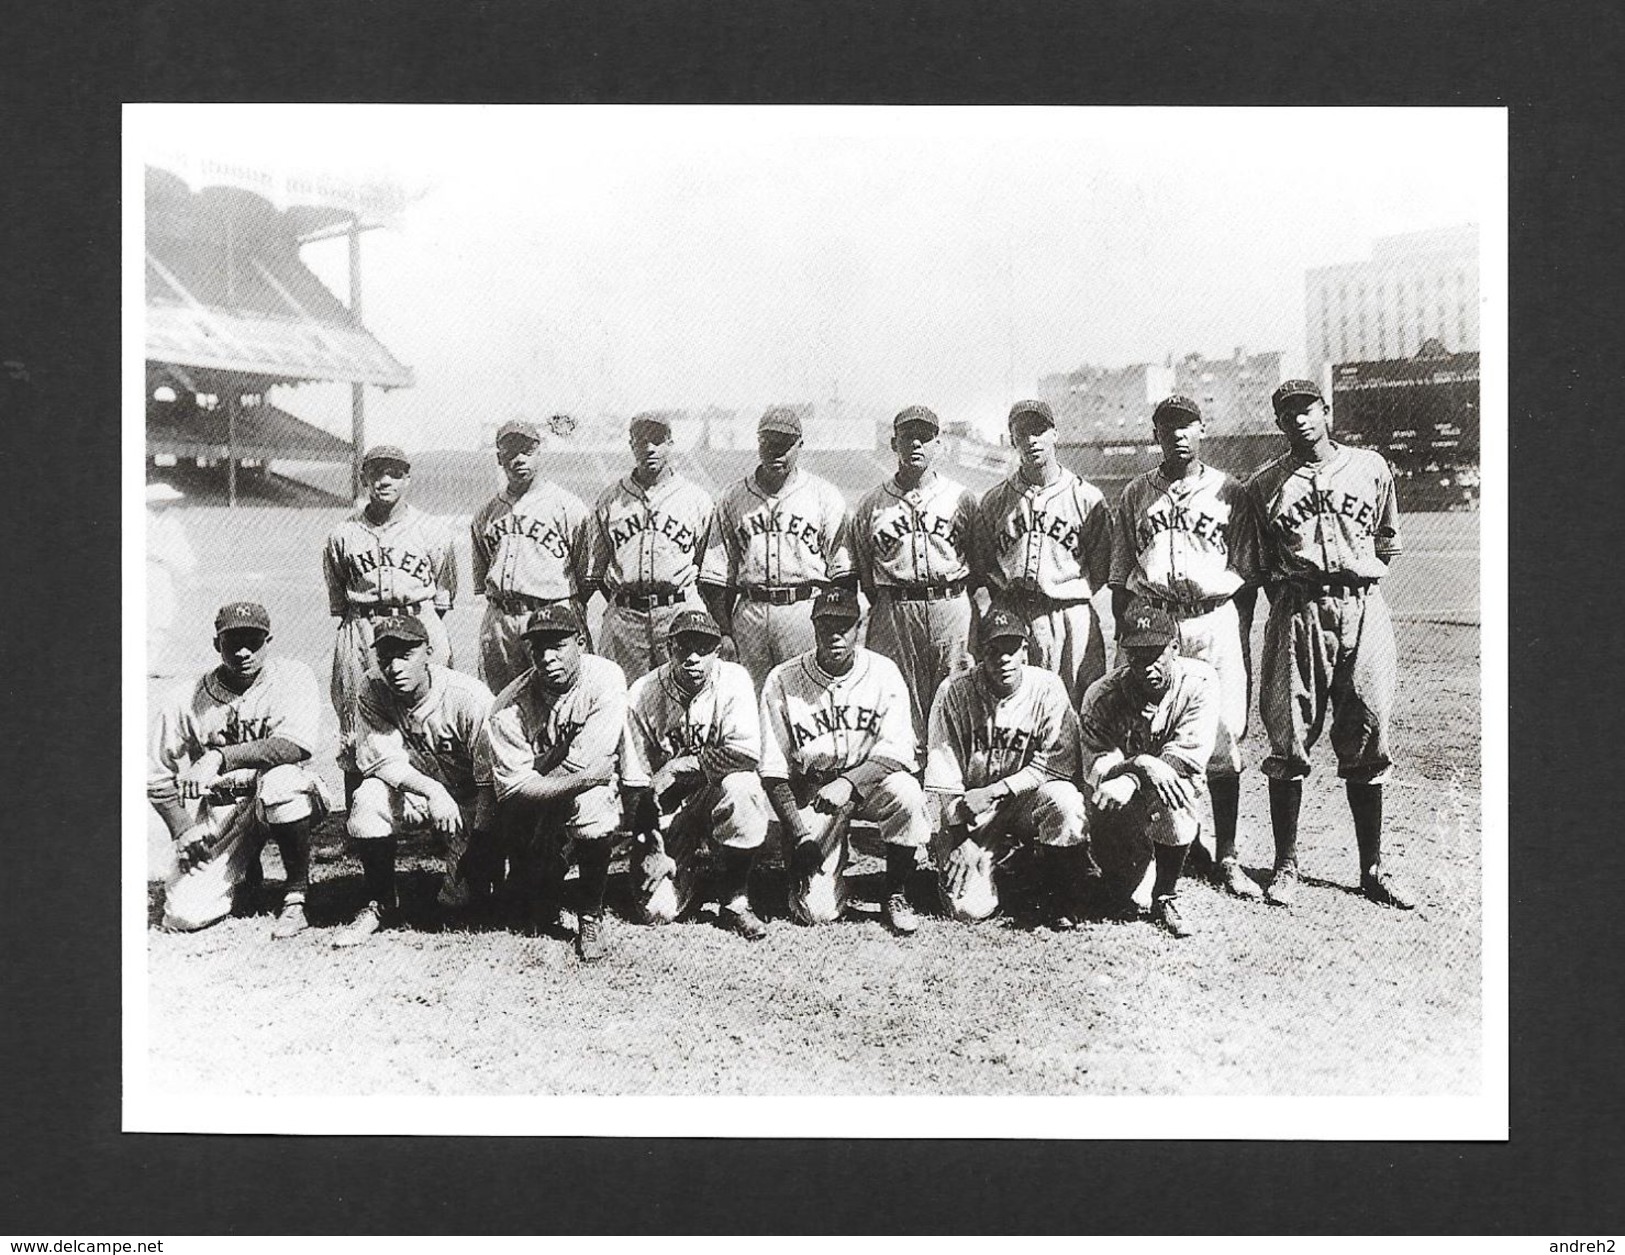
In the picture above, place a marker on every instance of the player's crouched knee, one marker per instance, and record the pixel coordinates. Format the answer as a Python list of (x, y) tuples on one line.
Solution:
[(371, 817), (898, 805), (740, 817), (284, 793), (1061, 814)]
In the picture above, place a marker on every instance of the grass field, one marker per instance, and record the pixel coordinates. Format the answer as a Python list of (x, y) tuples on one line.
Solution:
[(1334, 997)]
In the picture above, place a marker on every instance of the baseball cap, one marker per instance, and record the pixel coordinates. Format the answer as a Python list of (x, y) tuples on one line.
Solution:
[(242, 614), (917, 414), (400, 627), (695, 621), (1040, 408), (386, 453), (781, 419), (1295, 389), (836, 603), (1146, 625), (1177, 408), (557, 619), (1000, 624), (518, 429), (649, 418)]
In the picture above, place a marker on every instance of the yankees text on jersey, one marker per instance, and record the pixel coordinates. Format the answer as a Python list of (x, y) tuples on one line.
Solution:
[(1184, 540), (663, 722), (1179, 729), (408, 560), (437, 737), (978, 738), (534, 545), (798, 536), (578, 729), (1054, 540), (283, 702), (816, 724), (915, 537), (1337, 519), (653, 538)]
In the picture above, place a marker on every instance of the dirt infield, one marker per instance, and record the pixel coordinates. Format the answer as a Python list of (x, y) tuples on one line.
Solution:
[(1334, 997)]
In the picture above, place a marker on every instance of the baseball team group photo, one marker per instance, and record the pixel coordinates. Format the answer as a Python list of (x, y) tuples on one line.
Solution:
[(745, 653)]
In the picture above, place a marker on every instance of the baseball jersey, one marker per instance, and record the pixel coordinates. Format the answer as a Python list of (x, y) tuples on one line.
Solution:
[(913, 537), (578, 728), (534, 545), (1179, 729), (409, 558), (1056, 540), (1334, 519), (282, 702), (798, 536), (664, 722), (437, 736), (1187, 539), (818, 724), (656, 536), (978, 737)]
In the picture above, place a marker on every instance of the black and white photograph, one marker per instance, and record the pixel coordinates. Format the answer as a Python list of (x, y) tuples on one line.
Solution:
[(815, 621)]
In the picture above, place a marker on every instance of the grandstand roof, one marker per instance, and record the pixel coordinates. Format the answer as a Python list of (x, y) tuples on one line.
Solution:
[(262, 431)]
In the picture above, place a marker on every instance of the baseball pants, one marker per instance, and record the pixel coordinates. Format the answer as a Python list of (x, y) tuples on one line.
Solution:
[(897, 806), (635, 640), (1052, 814), (928, 640), (1215, 638), (353, 658), (733, 812), (1336, 649), (202, 894), (1066, 639), (766, 635), (1122, 839), (504, 656), (379, 811)]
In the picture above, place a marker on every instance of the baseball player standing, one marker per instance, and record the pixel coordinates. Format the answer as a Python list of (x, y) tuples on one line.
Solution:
[(554, 740), (1148, 729), (224, 773), (647, 536), (689, 756), (911, 540), (780, 537), (1044, 539), (838, 744), (1002, 763), (1187, 544), (417, 728), (530, 550), (388, 558), (1329, 525)]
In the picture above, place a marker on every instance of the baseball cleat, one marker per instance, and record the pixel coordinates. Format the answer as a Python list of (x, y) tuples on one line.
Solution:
[(591, 944), (1229, 877), (742, 920), (290, 923), (362, 927), (900, 916), (1384, 892), (455, 893), (1165, 911), (1283, 886)]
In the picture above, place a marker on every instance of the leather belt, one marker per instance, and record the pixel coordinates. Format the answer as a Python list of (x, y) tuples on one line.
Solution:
[(385, 609), (228, 794), (1341, 586), (520, 603), (1032, 597), (926, 592), (1185, 609), (648, 600), (780, 596)]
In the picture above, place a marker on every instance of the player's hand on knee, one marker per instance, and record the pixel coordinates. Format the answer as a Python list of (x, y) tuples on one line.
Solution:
[(444, 813), (194, 846), (200, 777), (979, 801), (834, 796), (1114, 794), (1163, 780)]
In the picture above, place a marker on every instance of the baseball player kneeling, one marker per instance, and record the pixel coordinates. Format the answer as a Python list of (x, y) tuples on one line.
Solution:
[(224, 773), (1004, 752), (554, 742), (1148, 729), (417, 728), (838, 744), (689, 756)]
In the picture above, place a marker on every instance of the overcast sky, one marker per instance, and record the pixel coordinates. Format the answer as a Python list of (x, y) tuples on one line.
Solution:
[(597, 258)]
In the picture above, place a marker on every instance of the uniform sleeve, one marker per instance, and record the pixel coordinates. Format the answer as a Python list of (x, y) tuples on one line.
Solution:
[(1100, 753), (896, 739), (1095, 541), (598, 552), (445, 570), (775, 730), (476, 710), (600, 736), (511, 758), (1123, 539), (378, 740), (578, 519), (333, 574), (720, 564), (944, 766), (863, 557), (167, 748), (1242, 536), (836, 532), (640, 756), (742, 727), (1196, 726), (1388, 543), (476, 545), (984, 552), (1059, 757), (298, 706), (965, 523)]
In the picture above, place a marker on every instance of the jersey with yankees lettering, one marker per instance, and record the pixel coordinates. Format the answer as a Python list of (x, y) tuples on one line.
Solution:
[(1054, 540), (915, 536), (1336, 519), (650, 538), (437, 736), (534, 545), (817, 724), (664, 722), (1184, 540), (409, 559), (797, 536), (282, 702), (1179, 728), (578, 728), (979, 738)]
